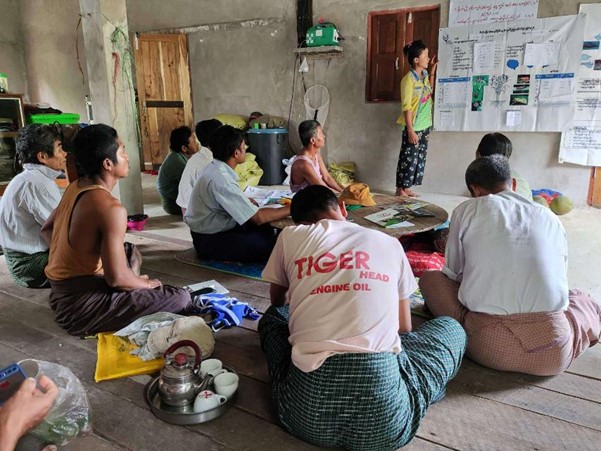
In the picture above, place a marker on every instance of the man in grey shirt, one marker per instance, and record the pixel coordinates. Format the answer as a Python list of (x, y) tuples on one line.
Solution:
[(224, 223)]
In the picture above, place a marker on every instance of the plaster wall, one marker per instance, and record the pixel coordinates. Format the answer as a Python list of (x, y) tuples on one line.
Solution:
[(50, 35), (12, 62), (241, 60), (367, 134)]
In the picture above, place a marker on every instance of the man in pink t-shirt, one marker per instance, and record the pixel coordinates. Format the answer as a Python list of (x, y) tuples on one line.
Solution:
[(341, 374)]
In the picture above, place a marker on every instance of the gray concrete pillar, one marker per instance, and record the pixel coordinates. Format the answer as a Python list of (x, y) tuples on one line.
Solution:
[(111, 89)]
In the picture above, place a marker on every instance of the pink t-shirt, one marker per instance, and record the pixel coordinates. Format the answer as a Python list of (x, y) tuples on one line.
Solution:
[(345, 282)]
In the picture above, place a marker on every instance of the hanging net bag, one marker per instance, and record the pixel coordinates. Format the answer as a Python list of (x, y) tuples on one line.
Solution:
[(317, 103)]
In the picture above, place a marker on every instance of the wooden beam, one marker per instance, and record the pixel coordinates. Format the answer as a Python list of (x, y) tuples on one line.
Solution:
[(594, 192)]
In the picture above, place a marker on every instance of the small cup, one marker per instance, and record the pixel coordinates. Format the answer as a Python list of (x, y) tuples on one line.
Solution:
[(226, 384), (210, 366), (207, 400)]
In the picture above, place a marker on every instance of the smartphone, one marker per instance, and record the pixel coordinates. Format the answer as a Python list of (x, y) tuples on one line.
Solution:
[(205, 290), (11, 378)]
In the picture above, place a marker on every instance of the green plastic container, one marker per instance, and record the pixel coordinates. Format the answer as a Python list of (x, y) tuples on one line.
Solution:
[(322, 34), (63, 118)]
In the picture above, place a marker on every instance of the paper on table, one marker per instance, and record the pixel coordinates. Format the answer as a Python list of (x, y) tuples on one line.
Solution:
[(390, 219), (267, 197)]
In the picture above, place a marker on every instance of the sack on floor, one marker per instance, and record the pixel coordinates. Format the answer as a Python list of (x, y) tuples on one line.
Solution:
[(69, 416), (343, 173), (155, 333)]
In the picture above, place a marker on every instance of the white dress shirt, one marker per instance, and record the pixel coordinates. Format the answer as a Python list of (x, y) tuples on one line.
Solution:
[(193, 170), (26, 204), (510, 255)]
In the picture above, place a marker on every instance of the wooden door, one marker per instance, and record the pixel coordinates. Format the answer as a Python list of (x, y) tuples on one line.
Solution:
[(388, 32), (424, 25), (164, 95)]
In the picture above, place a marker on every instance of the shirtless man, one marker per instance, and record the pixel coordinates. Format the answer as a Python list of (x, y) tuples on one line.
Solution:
[(94, 277), (308, 167)]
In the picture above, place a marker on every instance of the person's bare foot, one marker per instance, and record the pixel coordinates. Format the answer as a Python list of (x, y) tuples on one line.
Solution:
[(400, 192), (410, 193)]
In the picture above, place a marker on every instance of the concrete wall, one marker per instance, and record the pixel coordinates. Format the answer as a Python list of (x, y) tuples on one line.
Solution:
[(367, 134), (240, 51), (50, 34), (241, 60), (12, 62)]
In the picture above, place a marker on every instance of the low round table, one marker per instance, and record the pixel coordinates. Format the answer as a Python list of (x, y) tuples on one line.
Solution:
[(384, 201)]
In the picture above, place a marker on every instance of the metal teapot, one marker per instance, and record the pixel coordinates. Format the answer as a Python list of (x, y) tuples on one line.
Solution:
[(180, 381)]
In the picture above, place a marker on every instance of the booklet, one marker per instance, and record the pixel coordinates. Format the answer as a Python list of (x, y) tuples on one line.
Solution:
[(414, 209), (389, 219), (269, 197)]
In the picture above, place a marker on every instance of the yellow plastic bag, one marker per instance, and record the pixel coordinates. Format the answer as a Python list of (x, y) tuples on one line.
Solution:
[(115, 361), (235, 120), (343, 173), (249, 172)]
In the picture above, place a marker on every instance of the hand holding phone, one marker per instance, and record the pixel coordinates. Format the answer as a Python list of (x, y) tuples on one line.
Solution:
[(27, 407), (11, 378)]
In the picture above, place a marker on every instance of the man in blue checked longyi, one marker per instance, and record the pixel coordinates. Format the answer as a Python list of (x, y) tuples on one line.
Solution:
[(346, 368)]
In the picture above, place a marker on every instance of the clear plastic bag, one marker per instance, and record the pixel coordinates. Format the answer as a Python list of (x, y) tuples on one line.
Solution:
[(69, 416)]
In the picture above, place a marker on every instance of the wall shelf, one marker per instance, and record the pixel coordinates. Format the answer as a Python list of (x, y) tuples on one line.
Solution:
[(11, 108), (324, 51)]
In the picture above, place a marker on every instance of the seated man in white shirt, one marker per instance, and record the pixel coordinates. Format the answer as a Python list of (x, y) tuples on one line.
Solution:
[(197, 162), (224, 223), (498, 143), (505, 279), (341, 375), (28, 201)]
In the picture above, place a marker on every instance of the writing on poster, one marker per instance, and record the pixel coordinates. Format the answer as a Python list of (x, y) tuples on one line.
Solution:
[(465, 12), (581, 144)]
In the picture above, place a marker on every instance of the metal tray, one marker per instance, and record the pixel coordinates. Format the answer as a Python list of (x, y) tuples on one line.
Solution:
[(184, 415)]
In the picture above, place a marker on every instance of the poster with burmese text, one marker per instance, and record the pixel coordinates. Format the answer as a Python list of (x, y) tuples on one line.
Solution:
[(508, 76)]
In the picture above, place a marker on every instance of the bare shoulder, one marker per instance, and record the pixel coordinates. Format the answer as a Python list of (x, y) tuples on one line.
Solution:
[(100, 205), (301, 165)]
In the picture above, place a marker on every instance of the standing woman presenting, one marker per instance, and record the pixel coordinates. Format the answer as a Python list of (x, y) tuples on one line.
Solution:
[(416, 117)]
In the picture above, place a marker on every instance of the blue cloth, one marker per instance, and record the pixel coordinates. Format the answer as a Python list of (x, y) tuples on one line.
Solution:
[(227, 311), (361, 401)]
